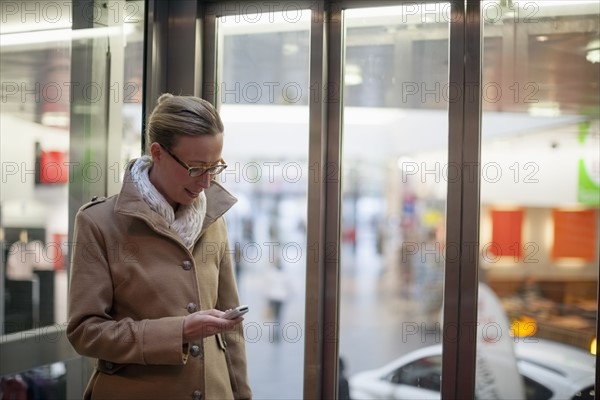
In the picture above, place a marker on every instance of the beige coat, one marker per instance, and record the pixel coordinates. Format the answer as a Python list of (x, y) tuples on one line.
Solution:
[(132, 283)]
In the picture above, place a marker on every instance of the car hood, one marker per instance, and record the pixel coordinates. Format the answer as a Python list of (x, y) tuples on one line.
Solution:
[(575, 364)]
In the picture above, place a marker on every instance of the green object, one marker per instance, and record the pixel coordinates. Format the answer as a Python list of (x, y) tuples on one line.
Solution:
[(588, 191)]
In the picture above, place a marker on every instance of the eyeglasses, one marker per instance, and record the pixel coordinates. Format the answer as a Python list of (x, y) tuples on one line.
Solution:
[(199, 171)]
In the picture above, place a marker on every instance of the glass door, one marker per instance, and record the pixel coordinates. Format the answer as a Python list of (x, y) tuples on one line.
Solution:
[(540, 196), (539, 212), (70, 115), (394, 195), (262, 92)]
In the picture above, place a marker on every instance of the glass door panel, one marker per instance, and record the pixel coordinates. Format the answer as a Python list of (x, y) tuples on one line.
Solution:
[(540, 196), (394, 190), (37, 91), (70, 105), (262, 92)]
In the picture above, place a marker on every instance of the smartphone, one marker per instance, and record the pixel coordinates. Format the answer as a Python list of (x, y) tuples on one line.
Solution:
[(235, 312)]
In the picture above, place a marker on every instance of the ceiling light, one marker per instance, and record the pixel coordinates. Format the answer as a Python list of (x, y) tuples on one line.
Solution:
[(289, 49), (55, 35), (544, 109), (592, 51), (353, 75)]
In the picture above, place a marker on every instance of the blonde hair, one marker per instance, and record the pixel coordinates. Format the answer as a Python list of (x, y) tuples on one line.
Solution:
[(176, 116)]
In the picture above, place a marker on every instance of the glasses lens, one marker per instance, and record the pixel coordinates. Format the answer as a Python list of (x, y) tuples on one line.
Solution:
[(216, 170)]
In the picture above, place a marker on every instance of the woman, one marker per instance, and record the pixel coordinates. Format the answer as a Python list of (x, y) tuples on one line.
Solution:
[(151, 272)]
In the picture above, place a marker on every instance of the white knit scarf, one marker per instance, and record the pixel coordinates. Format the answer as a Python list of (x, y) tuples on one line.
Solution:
[(187, 221)]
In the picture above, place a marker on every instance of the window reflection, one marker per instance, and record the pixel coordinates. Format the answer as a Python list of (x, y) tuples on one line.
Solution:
[(34, 207), (35, 117)]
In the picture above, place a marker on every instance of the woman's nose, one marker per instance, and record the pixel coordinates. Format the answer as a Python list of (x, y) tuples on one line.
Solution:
[(205, 180)]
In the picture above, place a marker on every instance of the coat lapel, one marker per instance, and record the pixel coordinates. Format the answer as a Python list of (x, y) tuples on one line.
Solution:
[(129, 202), (218, 202)]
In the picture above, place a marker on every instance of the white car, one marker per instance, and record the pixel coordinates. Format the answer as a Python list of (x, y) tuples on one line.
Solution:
[(550, 370)]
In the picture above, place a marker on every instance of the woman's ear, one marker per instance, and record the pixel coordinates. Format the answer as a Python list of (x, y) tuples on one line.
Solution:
[(155, 152)]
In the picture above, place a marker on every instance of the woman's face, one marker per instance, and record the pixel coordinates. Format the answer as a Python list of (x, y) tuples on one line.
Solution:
[(172, 179)]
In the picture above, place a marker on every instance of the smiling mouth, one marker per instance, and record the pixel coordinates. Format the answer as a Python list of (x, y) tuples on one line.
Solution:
[(193, 194)]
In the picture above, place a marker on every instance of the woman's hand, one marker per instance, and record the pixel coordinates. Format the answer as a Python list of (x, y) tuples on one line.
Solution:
[(206, 323)]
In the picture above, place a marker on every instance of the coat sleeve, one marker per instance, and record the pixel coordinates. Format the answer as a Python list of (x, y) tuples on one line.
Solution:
[(236, 348), (91, 329)]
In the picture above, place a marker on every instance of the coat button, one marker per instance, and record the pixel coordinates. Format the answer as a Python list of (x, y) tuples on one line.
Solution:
[(197, 395), (187, 265), (192, 308), (195, 351)]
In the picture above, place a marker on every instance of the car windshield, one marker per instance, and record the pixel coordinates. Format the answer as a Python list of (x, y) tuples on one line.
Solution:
[(535, 390), (424, 373)]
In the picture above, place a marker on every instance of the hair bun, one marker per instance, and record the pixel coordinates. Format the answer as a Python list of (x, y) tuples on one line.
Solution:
[(163, 97)]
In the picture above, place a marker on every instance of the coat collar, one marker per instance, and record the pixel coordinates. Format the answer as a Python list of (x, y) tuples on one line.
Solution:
[(130, 202)]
